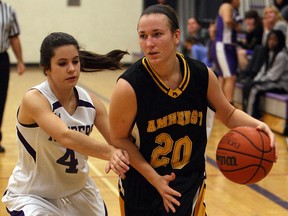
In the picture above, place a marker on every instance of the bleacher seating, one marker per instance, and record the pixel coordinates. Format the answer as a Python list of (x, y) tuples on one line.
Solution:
[(274, 107)]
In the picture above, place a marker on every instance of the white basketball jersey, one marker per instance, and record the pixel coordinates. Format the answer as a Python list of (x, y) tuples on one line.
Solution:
[(44, 167)]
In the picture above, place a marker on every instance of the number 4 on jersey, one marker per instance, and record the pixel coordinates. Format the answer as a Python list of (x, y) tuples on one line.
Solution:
[(68, 159)]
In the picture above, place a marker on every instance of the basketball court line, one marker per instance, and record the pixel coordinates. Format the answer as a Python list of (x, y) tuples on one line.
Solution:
[(272, 197), (279, 201), (104, 180)]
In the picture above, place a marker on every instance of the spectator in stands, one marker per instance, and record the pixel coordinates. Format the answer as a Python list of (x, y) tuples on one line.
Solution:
[(280, 4), (284, 13), (272, 77), (253, 37), (197, 50), (194, 29), (272, 19)]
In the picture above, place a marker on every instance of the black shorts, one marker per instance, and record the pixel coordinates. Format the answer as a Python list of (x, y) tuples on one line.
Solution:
[(140, 198)]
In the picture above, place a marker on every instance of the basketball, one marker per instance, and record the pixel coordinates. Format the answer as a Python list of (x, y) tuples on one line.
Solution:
[(244, 155)]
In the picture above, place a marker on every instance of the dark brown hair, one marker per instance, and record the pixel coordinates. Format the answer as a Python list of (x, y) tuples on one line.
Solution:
[(89, 61), (167, 11)]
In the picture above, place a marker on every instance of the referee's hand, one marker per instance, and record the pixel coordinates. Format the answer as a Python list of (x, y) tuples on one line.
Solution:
[(20, 68)]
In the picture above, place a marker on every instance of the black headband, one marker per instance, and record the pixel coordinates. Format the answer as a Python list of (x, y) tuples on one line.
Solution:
[(163, 9)]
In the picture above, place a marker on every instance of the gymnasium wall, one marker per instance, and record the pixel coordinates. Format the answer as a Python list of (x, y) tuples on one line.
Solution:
[(98, 25)]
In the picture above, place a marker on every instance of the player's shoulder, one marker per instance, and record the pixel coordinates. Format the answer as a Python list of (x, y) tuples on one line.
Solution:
[(135, 68), (136, 74), (33, 94), (195, 65), (34, 97)]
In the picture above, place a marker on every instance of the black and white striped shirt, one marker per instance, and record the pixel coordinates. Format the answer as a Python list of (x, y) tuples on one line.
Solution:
[(8, 25)]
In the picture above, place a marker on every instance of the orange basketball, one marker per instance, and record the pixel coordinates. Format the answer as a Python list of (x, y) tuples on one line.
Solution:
[(244, 155)]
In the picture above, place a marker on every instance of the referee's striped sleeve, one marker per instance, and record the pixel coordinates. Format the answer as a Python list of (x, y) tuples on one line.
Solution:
[(14, 28), (9, 26)]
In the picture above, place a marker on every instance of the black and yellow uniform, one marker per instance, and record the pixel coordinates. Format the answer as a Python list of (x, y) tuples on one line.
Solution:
[(171, 135)]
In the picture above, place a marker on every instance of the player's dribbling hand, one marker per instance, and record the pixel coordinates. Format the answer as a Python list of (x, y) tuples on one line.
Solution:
[(119, 163), (264, 127), (167, 193)]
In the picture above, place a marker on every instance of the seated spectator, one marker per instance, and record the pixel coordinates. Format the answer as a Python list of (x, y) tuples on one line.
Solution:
[(253, 37), (284, 13), (272, 77), (272, 19), (280, 4), (194, 29), (253, 66), (197, 50)]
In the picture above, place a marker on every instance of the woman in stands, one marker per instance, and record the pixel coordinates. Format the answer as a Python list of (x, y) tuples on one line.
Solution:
[(273, 75), (253, 37)]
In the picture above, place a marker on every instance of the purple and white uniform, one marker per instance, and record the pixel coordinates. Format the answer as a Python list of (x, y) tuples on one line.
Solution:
[(226, 54)]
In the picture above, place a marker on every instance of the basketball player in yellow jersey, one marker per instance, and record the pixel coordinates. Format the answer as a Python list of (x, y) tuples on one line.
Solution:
[(158, 114)]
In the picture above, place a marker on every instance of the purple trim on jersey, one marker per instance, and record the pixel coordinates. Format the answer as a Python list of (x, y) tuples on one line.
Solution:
[(85, 104), (56, 105), (106, 212), (15, 213), (27, 146), (225, 34), (219, 30), (27, 125)]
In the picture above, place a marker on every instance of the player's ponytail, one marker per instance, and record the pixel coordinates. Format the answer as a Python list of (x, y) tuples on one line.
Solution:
[(95, 62)]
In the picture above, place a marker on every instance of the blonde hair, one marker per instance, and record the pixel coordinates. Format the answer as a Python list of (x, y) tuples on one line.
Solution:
[(275, 10)]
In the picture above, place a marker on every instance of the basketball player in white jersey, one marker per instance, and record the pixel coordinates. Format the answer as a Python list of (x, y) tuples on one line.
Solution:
[(54, 120), (227, 25)]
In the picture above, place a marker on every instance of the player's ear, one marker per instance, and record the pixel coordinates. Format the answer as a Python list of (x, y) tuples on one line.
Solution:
[(45, 70), (177, 35)]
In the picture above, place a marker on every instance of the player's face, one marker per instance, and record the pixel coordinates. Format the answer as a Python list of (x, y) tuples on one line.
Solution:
[(65, 66), (156, 39)]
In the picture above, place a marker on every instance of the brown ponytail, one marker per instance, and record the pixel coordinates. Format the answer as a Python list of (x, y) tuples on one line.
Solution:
[(91, 62)]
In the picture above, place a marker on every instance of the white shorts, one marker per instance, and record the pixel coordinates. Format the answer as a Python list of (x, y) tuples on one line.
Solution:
[(87, 201)]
